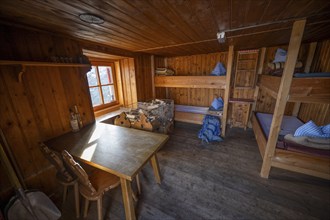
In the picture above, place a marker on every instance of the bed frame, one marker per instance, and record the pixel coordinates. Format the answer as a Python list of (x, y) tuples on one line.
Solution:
[(288, 89), (293, 161), (306, 90)]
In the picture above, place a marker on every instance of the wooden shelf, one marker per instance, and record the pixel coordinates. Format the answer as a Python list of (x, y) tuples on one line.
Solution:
[(25, 64), (210, 82)]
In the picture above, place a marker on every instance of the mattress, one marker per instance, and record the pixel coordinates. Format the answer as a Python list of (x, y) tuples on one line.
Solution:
[(288, 126)]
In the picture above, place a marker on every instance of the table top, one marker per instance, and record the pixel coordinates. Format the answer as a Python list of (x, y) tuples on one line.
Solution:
[(117, 150)]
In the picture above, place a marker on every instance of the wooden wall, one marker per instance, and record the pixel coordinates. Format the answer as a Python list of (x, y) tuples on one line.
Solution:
[(144, 77), (37, 108), (129, 82), (319, 113), (195, 65)]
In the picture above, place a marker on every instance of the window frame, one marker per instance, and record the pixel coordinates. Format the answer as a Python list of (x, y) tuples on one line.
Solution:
[(97, 64)]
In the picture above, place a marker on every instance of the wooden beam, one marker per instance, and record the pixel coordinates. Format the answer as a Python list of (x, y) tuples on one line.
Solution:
[(283, 92), (227, 89), (261, 60), (310, 56), (259, 72)]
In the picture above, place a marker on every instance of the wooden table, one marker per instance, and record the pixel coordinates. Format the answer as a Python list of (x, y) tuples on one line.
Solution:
[(117, 150)]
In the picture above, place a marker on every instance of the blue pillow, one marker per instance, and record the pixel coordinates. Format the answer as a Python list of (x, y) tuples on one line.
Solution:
[(217, 103), (219, 70), (310, 129), (326, 129)]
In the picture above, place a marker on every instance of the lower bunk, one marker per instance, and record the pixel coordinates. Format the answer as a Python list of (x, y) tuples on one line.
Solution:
[(306, 160)]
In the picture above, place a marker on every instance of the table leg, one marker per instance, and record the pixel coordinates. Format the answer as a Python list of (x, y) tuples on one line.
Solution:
[(126, 190), (155, 167)]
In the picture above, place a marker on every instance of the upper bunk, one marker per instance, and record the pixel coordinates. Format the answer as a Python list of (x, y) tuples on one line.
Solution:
[(209, 82), (303, 89)]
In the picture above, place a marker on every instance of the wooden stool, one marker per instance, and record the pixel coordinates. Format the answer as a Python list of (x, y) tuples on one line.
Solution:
[(63, 177)]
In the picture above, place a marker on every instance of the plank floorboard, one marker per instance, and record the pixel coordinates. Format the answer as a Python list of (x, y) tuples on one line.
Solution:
[(217, 181)]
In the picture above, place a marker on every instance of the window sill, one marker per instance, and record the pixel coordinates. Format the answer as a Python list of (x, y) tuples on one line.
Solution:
[(103, 113)]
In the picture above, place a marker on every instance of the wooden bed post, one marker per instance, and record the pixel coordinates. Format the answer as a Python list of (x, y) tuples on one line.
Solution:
[(282, 95), (227, 89)]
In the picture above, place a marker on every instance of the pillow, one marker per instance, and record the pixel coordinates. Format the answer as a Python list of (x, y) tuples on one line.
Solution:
[(310, 129), (217, 103), (280, 55), (326, 129), (219, 70)]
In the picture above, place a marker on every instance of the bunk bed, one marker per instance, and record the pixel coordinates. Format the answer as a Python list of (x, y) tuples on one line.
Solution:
[(298, 159), (289, 89), (194, 114)]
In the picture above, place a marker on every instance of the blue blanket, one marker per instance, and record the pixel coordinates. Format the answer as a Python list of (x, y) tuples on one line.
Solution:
[(210, 129)]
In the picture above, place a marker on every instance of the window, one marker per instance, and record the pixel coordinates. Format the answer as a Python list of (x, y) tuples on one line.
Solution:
[(102, 86)]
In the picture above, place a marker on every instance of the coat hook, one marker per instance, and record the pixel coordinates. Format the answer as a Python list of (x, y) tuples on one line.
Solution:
[(20, 74)]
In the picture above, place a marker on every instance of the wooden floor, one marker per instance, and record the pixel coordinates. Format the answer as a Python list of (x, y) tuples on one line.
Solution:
[(217, 181)]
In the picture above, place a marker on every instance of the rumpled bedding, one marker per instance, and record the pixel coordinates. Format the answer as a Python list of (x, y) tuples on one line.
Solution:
[(317, 143)]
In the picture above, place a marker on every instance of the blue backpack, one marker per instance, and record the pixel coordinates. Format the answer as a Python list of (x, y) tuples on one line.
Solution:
[(210, 129)]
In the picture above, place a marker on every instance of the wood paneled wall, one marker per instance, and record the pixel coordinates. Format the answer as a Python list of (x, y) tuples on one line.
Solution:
[(195, 65), (129, 83), (37, 108), (319, 113), (144, 77)]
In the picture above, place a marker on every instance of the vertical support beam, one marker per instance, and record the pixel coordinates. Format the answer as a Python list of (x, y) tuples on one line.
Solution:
[(166, 89), (227, 89), (282, 96), (261, 60), (310, 56), (259, 72), (309, 60), (152, 66), (119, 83)]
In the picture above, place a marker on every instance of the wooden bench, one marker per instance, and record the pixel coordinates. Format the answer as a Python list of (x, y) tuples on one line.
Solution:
[(193, 114)]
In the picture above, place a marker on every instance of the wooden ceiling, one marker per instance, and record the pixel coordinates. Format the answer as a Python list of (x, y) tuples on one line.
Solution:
[(173, 27)]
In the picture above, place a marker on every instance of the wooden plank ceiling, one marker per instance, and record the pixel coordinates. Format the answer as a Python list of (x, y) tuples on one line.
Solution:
[(173, 27)]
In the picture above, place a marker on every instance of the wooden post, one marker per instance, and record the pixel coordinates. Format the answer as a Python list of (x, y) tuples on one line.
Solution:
[(152, 66), (310, 56), (259, 72), (227, 89), (282, 95), (166, 89)]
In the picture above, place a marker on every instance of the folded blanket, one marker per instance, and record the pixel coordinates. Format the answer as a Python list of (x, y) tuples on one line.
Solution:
[(310, 129), (317, 143)]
